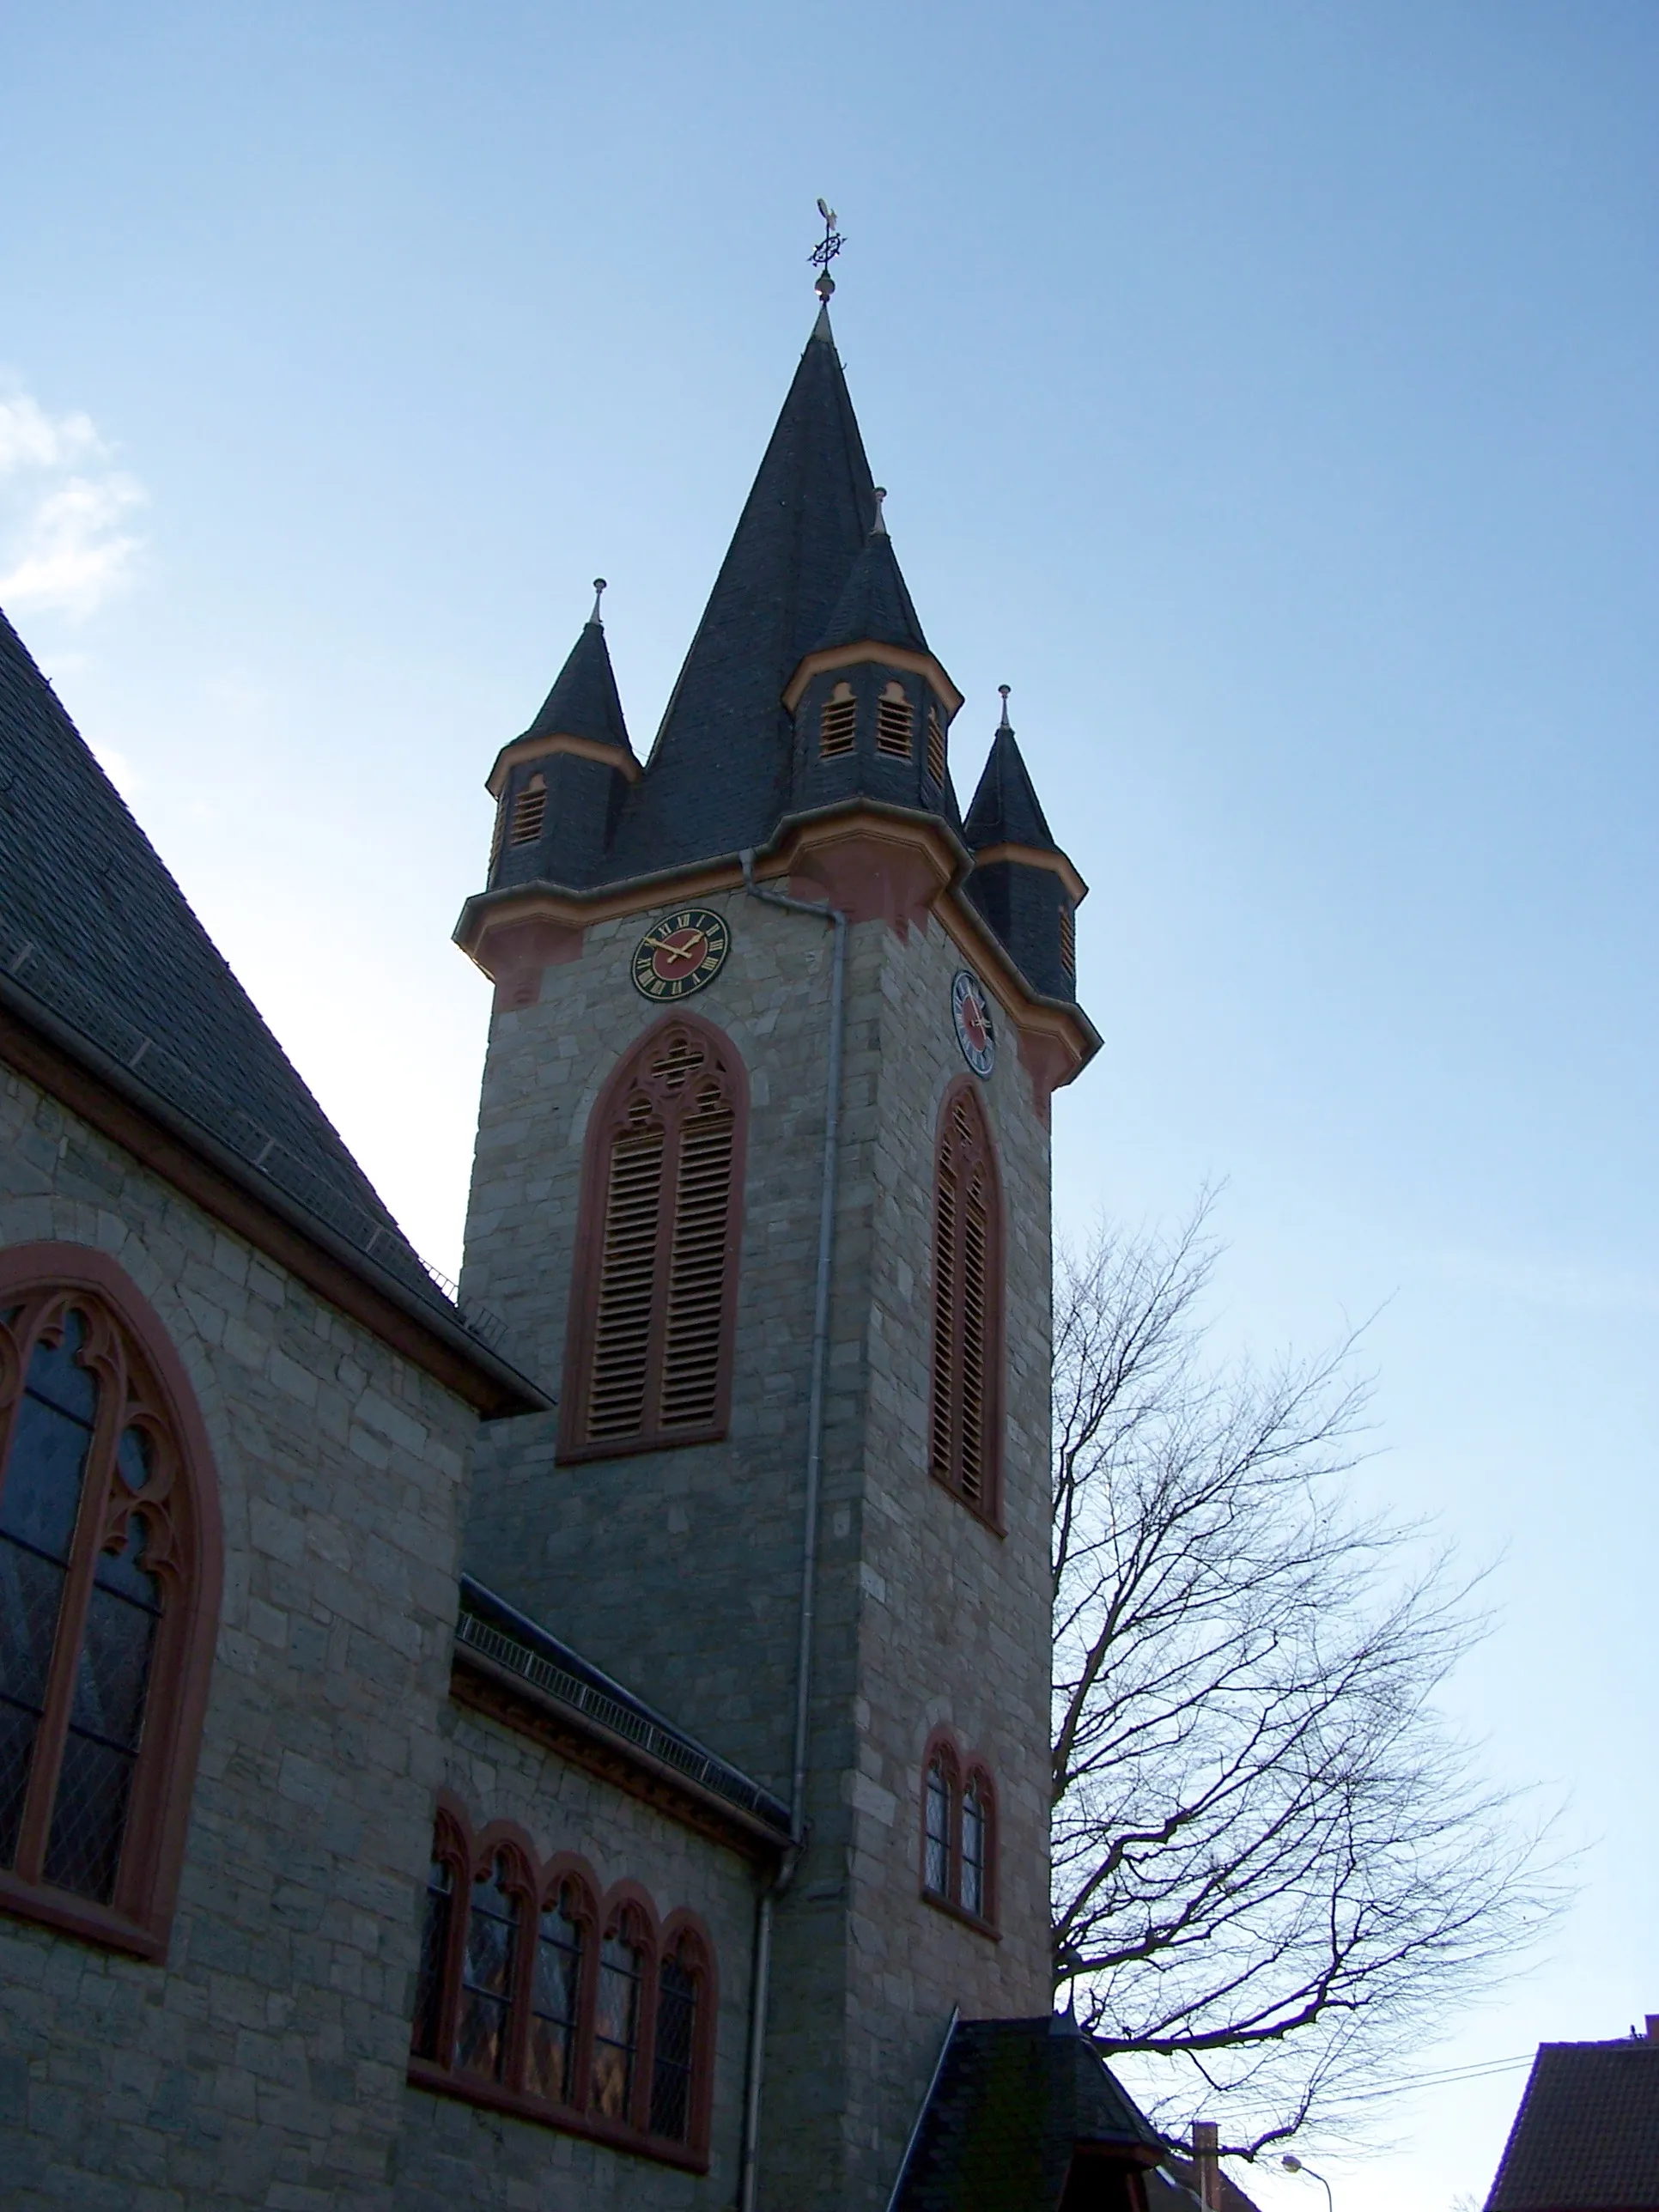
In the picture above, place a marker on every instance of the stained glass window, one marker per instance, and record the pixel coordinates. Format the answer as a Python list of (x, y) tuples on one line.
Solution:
[(434, 1956), (108, 1600), (617, 2027), (40, 1504), (492, 1935), (555, 2001), (670, 2071), (972, 1848), (936, 1874)]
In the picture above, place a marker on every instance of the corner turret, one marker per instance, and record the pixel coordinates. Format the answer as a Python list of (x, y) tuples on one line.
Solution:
[(871, 705), (559, 789), (1022, 883)]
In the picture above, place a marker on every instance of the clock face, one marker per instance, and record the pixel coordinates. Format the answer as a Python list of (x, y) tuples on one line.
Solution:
[(971, 1009), (681, 953)]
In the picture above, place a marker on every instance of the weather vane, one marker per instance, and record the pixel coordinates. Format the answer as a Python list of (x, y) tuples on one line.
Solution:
[(823, 254)]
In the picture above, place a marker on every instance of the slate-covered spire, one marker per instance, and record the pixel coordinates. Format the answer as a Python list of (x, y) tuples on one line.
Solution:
[(1021, 881), (875, 601), (559, 788), (1006, 809), (718, 774), (584, 702)]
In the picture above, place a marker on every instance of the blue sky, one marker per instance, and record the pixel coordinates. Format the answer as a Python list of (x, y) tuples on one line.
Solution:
[(1264, 392)]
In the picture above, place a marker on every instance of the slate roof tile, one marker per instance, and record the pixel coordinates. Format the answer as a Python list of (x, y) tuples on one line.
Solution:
[(1586, 2136), (94, 926)]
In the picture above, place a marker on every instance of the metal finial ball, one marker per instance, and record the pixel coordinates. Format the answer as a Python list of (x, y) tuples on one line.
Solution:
[(599, 584)]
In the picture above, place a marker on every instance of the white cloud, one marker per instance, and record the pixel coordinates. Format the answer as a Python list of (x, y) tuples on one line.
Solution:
[(65, 544)]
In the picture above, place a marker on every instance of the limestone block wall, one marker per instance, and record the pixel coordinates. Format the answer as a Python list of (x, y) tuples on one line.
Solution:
[(678, 1571), (263, 2064), (455, 2153)]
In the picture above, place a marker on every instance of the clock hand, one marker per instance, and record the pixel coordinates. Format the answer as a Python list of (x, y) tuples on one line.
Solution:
[(685, 951)]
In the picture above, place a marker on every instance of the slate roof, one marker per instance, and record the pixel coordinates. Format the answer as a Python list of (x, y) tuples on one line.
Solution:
[(718, 777), (95, 933), (1005, 810), (1173, 2187), (584, 702), (875, 602), (1013, 2101), (1586, 2138)]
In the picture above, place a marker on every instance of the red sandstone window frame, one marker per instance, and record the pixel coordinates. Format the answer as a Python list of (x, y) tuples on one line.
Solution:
[(142, 1384), (949, 1461), (536, 1882), (607, 1124), (964, 1770)]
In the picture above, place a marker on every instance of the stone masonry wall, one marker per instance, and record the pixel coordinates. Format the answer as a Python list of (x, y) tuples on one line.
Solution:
[(263, 2064), (680, 1571), (455, 2153)]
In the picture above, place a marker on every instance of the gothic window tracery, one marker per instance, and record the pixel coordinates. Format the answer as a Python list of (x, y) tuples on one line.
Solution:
[(108, 1565), (522, 2002), (964, 1428), (649, 1350)]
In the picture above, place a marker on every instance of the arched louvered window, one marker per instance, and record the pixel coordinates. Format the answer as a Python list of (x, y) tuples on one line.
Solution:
[(894, 720), (966, 1419), (529, 810), (1067, 939), (109, 1565), (837, 722), (935, 747), (653, 1294)]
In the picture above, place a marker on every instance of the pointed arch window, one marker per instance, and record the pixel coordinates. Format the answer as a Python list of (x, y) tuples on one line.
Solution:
[(837, 723), (648, 1346), (536, 1996), (109, 1565), (965, 1419), (959, 1832), (894, 722), (529, 810)]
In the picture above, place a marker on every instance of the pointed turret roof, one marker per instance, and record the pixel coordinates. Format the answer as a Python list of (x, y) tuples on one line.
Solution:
[(875, 602), (584, 702), (718, 774), (1005, 810)]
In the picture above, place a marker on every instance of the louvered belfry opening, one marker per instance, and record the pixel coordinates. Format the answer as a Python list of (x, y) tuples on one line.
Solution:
[(965, 1421), (652, 1302), (529, 808), (1067, 939), (935, 748), (895, 720), (838, 722)]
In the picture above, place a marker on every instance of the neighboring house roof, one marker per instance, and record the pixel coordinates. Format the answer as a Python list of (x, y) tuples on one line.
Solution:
[(100, 952), (1015, 2106), (1586, 2138), (1173, 2187)]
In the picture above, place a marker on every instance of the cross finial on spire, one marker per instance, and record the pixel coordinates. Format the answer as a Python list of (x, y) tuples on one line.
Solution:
[(825, 252), (598, 593), (878, 527), (1004, 724)]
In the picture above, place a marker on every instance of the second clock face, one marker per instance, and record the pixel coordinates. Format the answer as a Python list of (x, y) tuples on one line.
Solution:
[(681, 953), (975, 1033)]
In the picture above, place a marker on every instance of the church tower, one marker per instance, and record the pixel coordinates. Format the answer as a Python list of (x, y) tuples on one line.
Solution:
[(762, 1190)]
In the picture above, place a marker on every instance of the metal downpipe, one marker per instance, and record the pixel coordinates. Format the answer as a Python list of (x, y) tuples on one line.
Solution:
[(749, 2170)]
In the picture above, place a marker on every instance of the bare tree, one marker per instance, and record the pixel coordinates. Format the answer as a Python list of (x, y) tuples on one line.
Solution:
[(1275, 1864)]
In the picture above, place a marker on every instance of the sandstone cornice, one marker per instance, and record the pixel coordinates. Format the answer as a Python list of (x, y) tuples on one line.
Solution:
[(875, 860)]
